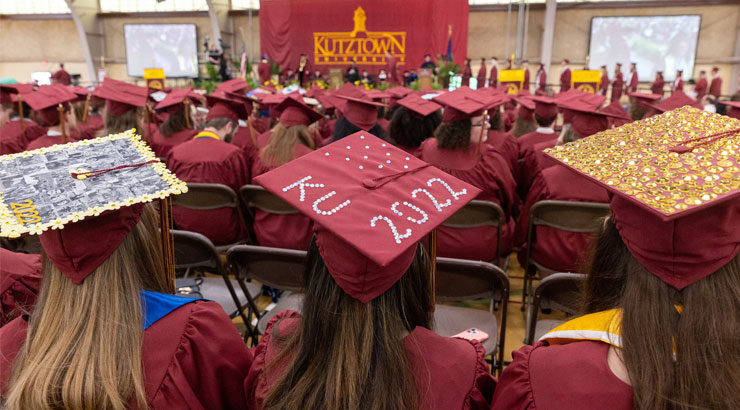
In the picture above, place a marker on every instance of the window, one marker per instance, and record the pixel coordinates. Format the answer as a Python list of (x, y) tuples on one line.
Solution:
[(34, 7), (245, 4), (134, 6)]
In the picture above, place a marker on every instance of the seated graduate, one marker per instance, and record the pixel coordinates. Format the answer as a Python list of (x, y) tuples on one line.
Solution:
[(179, 126), (125, 107), (502, 141), (458, 149), (209, 157), (87, 115), (106, 332), (414, 121), (662, 299), (19, 129), (360, 113), (288, 140), (53, 112), (524, 123), (20, 279), (363, 339)]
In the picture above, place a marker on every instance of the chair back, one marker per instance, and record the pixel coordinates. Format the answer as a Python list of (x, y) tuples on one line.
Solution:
[(193, 250), (560, 291), (203, 197), (256, 197), (478, 213), (275, 267), (459, 279), (568, 216)]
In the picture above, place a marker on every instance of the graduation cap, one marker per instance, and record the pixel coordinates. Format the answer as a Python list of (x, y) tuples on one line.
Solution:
[(172, 101), (460, 105), (236, 86), (47, 100), (7, 91), (617, 116), (645, 98), (359, 109), (377, 95), (526, 107), (293, 111), (83, 198), (419, 105), (121, 97), (371, 203), (584, 120), (222, 105), (545, 107), (674, 180), (399, 92)]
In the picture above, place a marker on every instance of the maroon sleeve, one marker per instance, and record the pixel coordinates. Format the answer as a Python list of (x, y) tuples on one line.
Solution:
[(20, 280), (481, 393), (514, 390), (209, 364), (12, 338)]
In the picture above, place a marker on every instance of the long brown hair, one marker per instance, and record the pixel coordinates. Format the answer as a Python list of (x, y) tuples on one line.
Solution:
[(175, 122), (351, 355), (280, 149), (121, 123), (83, 347), (522, 126), (675, 361)]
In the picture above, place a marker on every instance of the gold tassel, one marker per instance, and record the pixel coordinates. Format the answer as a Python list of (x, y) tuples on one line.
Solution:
[(168, 244), (433, 256), (251, 132), (60, 108), (482, 130), (187, 112), (148, 122), (87, 106)]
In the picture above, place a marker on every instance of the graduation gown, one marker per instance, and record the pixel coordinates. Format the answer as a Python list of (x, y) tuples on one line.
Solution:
[(701, 88), (677, 85), (617, 87), (46, 140), (528, 162), (557, 249), (482, 76), (507, 146), (89, 129), (13, 139), (192, 358), (715, 88), (604, 86), (542, 83), (264, 71), (466, 74), (293, 231), (163, 145), (657, 87), (451, 372), (634, 82), (211, 161), (565, 80), (573, 376), (493, 79), (20, 280), (488, 172), (525, 85)]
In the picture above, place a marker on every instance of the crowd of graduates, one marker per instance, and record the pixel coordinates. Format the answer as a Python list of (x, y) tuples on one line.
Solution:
[(364, 338)]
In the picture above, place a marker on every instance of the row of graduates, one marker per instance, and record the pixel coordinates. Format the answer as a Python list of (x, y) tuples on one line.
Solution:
[(358, 286)]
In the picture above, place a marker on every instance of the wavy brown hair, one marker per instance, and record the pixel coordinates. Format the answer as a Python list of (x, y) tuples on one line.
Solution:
[(454, 134), (409, 129), (522, 126), (175, 123), (675, 361), (280, 149), (83, 346), (348, 354)]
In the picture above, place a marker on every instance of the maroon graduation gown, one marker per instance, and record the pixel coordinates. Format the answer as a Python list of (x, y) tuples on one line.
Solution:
[(529, 165), (657, 87), (192, 358), (466, 74), (542, 89), (293, 231), (490, 173), (88, 129), (13, 139), (44, 141), (163, 145), (507, 146), (701, 88), (604, 86), (565, 80), (482, 75), (715, 88), (556, 249), (265, 72), (677, 85), (573, 376), (617, 87), (525, 85), (451, 372), (20, 280), (634, 82), (211, 161), (493, 79)]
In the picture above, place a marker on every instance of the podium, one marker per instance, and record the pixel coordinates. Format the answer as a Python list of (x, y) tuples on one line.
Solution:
[(425, 77), (336, 78)]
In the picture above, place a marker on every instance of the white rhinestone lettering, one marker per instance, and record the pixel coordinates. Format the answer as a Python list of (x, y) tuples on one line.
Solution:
[(432, 198), (455, 195), (331, 211), (396, 235), (423, 214), (302, 186)]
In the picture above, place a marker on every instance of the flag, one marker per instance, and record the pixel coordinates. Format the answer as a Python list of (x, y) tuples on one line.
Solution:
[(243, 65), (449, 44)]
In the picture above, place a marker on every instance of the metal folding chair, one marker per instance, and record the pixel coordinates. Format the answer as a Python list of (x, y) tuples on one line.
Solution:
[(458, 280), (559, 291), (256, 197), (478, 213)]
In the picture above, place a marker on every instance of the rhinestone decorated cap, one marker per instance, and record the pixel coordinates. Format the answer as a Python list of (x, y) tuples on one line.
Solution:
[(674, 180), (371, 203)]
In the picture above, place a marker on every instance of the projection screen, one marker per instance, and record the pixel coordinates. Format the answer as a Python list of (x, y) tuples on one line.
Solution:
[(173, 47), (659, 43)]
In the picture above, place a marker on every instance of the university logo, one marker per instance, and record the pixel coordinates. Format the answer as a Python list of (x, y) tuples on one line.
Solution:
[(588, 88), (365, 47)]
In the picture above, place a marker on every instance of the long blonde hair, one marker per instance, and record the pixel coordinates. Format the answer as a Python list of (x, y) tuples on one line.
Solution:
[(280, 149), (83, 347)]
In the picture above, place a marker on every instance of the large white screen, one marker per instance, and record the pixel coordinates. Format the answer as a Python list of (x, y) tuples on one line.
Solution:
[(663, 43), (173, 47)]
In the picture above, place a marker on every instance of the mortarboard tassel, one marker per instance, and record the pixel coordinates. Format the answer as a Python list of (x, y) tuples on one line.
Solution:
[(482, 129), (87, 106), (60, 108), (186, 102), (251, 131), (682, 148), (148, 122), (84, 174)]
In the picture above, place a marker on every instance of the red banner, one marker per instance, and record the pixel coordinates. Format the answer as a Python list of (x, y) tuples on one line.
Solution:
[(333, 32)]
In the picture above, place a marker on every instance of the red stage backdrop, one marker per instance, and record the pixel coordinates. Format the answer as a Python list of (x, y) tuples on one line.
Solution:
[(332, 32)]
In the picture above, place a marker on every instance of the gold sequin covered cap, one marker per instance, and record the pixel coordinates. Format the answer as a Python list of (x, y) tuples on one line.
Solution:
[(675, 180)]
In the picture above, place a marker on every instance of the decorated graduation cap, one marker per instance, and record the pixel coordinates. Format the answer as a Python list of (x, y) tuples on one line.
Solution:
[(459, 105), (674, 180), (371, 204), (83, 198), (48, 99), (293, 111), (121, 97), (359, 109), (545, 107), (236, 85), (419, 105)]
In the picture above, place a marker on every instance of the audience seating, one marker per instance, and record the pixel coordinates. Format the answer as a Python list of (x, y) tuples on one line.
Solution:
[(460, 280), (255, 197), (481, 213), (194, 251), (274, 267), (204, 197), (560, 291), (568, 216)]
